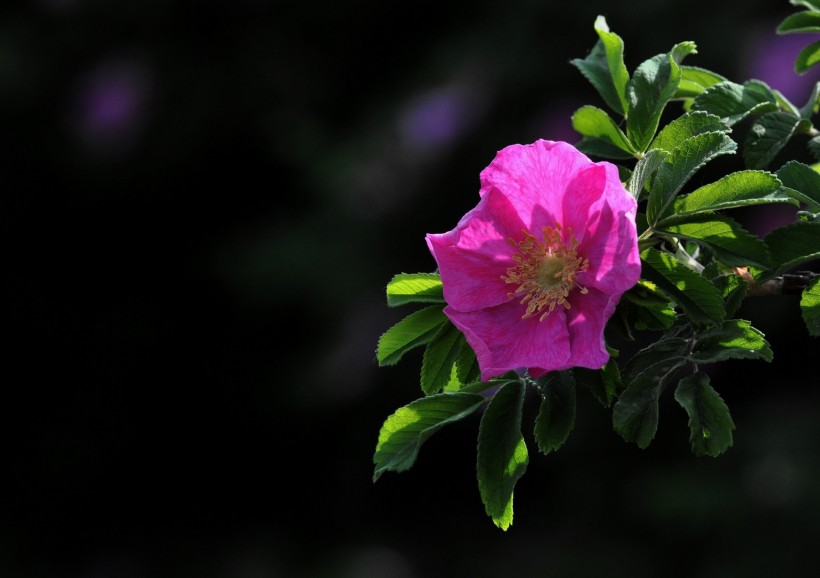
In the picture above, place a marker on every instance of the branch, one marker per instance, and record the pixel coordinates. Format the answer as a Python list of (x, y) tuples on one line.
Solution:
[(787, 284)]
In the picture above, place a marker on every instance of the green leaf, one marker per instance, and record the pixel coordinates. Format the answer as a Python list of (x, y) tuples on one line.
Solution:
[(666, 347), (604, 384), (810, 307), (733, 339), (802, 182), (467, 365), (733, 289), (730, 242), (651, 310), (792, 245), (439, 357), (768, 135), (410, 426), (502, 453), (416, 329), (684, 127), (556, 417), (808, 57), (732, 102), (414, 288), (710, 424), (812, 105), (596, 147), (739, 189), (806, 21), (679, 167), (635, 415), (594, 122), (814, 147), (695, 80), (696, 296), (644, 171), (604, 67), (810, 4), (654, 83)]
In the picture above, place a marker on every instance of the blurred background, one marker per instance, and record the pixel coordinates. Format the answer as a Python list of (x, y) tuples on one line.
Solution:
[(202, 205)]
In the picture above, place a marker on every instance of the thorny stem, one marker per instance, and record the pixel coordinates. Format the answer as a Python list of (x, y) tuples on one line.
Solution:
[(787, 284)]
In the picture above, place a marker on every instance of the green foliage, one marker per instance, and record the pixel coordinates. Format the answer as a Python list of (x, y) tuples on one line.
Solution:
[(678, 168), (696, 296), (805, 21), (710, 424), (502, 453), (415, 330), (410, 426), (414, 288), (733, 339), (697, 268), (729, 242), (810, 307), (440, 357), (653, 85), (768, 135), (808, 57), (556, 417), (604, 67), (733, 102)]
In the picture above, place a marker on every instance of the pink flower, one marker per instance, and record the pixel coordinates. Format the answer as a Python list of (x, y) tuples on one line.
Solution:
[(533, 273)]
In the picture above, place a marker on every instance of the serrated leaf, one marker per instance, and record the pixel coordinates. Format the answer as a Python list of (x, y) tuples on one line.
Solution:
[(732, 102), (502, 453), (810, 307), (767, 136), (733, 339), (739, 189), (440, 356), (695, 80), (814, 147), (410, 426), (416, 329), (651, 310), (792, 245), (604, 384), (596, 123), (710, 424), (685, 127), (679, 167), (652, 86), (730, 242), (808, 57), (614, 52), (467, 365), (695, 295), (733, 289), (635, 414), (802, 182), (806, 21), (645, 171), (596, 147), (665, 348), (414, 288), (812, 105), (556, 417)]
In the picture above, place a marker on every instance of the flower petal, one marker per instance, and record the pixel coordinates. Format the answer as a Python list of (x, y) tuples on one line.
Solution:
[(473, 257), (503, 341), (535, 179), (611, 242), (586, 321)]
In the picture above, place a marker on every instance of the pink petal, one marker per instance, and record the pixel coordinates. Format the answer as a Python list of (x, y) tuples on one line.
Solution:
[(610, 244), (503, 341), (535, 178), (474, 256), (586, 321)]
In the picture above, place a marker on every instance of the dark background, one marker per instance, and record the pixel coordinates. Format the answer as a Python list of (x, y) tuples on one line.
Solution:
[(202, 204)]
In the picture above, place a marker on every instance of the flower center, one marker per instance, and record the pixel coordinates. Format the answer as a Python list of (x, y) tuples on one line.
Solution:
[(545, 271)]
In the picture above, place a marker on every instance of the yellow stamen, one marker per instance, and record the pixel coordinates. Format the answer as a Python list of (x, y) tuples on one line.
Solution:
[(545, 271)]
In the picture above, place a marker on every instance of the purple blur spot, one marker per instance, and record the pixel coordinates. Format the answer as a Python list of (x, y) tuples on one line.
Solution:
[(771, 60), (437, 118), (111, 106)]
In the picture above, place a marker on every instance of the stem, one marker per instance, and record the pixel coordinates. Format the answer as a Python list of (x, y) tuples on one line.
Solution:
[(787, 284)]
